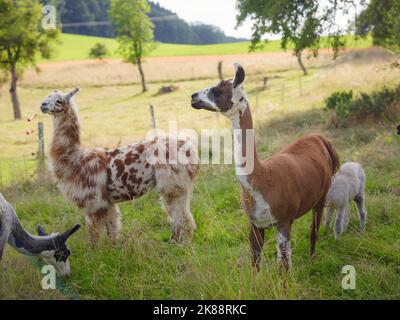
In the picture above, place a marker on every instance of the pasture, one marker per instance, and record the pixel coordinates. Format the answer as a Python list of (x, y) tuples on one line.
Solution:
[(76, 47), (216, 265)]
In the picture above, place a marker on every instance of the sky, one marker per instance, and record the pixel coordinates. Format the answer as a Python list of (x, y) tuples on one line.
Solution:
[(221, 13)]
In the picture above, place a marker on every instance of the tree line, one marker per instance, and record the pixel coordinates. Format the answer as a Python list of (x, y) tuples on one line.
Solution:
[(166, 28)]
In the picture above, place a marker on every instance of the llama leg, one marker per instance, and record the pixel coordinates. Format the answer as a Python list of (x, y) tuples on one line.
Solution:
[(362, 211), (329, 211), (95, 225), (256, 239), (283, 246), (113, 222), (318, 212), (346, 220), (180, 217), (339, 223), (190, 224)]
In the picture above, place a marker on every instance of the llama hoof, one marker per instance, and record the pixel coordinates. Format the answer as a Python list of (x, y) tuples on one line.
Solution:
[(313, 257), (283, 270)]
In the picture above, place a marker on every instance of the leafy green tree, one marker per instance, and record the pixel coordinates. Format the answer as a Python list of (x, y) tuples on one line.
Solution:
[(300, 23), (99, 51), (381, 18), (134, 31), (22, 40)]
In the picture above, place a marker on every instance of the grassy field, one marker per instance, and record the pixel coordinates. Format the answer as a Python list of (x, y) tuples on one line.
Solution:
[(217, 263), (76, 47)]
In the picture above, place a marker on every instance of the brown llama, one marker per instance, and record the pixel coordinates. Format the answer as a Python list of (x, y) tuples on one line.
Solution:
[(96, 180), (282, 188)]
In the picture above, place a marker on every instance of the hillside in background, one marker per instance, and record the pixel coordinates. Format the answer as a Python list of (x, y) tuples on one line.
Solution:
[(168, 29), (77, 47)]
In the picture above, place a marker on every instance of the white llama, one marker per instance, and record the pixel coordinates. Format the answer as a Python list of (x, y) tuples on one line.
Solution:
[(347, 185)]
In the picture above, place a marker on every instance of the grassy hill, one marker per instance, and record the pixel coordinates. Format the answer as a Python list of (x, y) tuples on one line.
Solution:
[(76, 47)]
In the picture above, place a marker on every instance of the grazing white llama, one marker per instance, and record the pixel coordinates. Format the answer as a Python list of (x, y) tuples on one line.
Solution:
[(51, 248), (96, 180), (347, 185)]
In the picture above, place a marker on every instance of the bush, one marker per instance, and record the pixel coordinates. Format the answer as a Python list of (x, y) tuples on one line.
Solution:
[(382, 104), (99, 51), (340, 102)]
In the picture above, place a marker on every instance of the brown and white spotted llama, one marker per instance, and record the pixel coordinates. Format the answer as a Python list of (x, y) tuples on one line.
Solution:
[(96, 180), (282, 188)]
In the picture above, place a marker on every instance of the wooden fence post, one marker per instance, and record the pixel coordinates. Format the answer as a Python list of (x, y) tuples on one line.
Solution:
[(220, 73), (41, 140), (41, 170), (265, 83), (153, 119)]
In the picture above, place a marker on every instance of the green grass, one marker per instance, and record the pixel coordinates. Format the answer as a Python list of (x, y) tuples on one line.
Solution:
[(144, 265), (77, 47)]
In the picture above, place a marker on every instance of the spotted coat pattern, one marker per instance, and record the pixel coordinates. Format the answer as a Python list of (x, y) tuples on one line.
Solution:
[(96, 180)]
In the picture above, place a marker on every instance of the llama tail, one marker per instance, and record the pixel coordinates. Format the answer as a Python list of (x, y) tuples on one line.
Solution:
[(333, 154)]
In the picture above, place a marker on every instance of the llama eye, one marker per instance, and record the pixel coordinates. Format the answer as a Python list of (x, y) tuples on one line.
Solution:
[(58, 101)]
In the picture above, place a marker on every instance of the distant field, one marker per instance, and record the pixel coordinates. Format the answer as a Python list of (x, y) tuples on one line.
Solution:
[(75, 47)]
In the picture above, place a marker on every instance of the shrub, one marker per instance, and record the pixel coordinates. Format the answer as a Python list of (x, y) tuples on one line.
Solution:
[(340, 102), (99, 51), (382, 104)]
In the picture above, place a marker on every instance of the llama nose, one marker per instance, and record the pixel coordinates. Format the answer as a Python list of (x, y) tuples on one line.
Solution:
[(195, 96), (44, 107)]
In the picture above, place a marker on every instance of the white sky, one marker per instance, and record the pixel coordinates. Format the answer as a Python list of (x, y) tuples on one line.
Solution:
[(221, 13)]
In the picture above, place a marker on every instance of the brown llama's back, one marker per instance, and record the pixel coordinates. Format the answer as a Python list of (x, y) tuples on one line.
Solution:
[(298, 178)]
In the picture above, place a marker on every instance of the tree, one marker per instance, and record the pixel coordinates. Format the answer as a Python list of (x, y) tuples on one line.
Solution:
[(98, 51), (21, 41), (300, 23), (134, 31), (381, 20)]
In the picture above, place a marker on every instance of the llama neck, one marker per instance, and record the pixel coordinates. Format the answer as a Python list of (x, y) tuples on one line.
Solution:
[(26, 243), (246, 158), (66, 142)]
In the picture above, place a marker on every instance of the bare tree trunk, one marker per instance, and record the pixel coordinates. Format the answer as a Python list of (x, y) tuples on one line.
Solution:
[(13, 92), (300, 61), (144, 87)]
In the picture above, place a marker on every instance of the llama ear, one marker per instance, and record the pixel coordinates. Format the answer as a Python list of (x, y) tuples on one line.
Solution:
[(40, 230), (69, 96), (239, 76), (70, 232)]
